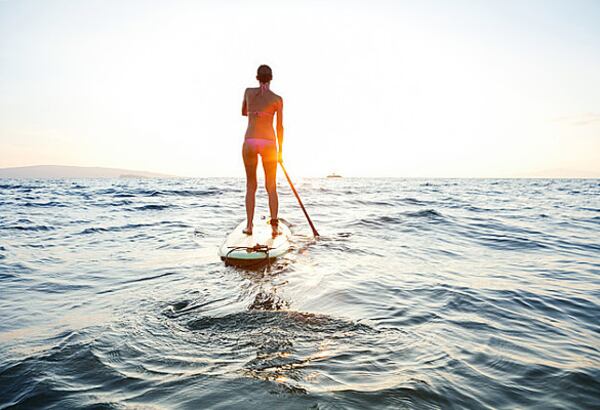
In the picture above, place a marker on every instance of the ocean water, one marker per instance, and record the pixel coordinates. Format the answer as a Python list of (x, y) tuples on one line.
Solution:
[(425, 294)]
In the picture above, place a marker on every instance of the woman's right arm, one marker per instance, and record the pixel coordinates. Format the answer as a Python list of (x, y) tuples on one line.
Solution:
[(244, 105)]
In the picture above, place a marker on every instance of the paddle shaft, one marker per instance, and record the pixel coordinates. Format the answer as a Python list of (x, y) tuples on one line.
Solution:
[(312, 226)]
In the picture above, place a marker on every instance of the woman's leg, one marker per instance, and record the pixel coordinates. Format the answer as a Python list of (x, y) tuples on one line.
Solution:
[(270, 167), (250, 162)]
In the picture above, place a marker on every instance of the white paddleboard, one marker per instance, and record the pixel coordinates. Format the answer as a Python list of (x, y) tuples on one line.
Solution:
[(241, 249)]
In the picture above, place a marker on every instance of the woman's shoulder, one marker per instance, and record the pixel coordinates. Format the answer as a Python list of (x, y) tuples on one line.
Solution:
[(277, 97), (253, 90)]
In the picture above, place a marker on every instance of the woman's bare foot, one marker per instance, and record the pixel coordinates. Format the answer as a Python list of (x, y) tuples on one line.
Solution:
[(275, 227), (248, 230), (275, 232)]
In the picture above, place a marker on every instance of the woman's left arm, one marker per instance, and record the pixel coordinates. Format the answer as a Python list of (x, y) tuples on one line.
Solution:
[(280, 129)]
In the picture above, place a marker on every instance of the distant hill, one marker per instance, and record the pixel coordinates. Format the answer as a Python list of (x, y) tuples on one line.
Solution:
[(62, 171)]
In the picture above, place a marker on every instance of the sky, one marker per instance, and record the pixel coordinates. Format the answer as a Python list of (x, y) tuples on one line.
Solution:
[(473, 88)]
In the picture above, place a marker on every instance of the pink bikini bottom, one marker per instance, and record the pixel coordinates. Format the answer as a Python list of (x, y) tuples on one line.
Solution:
[(267, 149)]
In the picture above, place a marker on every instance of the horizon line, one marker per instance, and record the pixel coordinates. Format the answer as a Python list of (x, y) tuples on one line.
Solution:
[(126, 173)]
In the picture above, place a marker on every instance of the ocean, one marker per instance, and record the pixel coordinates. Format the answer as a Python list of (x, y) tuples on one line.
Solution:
[(419, 294)]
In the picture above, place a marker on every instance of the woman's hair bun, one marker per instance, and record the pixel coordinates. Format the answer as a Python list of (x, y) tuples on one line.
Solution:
[(264, 74)]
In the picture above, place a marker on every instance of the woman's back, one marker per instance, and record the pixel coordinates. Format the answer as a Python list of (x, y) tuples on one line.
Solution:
[(260, 104)]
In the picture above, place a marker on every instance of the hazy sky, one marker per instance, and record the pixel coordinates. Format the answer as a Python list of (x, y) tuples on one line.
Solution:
[(371, 88)]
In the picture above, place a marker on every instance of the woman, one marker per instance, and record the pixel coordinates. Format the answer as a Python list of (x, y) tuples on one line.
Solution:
[(260, 105)]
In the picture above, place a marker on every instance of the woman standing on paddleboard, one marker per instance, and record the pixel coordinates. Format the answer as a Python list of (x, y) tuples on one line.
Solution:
[(260, 105)]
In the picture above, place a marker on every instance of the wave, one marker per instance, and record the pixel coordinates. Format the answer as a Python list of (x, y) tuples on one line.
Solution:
[(413, 201), (509, 242), (373, 203), (19, 187), (49, 204), (126, 227), (383, 220), (426, 213), (179, 193), (291, 321), (72, 356), (431, 215), (32, 228), (155, 207), (127, 192)]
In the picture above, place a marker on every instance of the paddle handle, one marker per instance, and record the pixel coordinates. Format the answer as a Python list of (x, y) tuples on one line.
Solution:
[(312, 226)]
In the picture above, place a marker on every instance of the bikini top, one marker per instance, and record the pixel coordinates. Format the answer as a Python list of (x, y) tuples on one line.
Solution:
[(259, 113)]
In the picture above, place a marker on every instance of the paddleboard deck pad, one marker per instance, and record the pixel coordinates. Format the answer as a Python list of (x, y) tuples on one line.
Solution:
[(240, 249)]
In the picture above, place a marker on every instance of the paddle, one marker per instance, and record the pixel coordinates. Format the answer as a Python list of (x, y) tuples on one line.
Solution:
[(315, 233)]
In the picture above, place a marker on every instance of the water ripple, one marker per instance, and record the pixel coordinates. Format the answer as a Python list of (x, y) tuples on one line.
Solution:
[(419, 294)]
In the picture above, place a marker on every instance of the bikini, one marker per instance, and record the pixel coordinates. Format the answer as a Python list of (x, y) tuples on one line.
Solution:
[(263, 113), (262, 145)]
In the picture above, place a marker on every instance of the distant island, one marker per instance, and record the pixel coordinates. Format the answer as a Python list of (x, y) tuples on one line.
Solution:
[(334, 175), (62, 171)]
